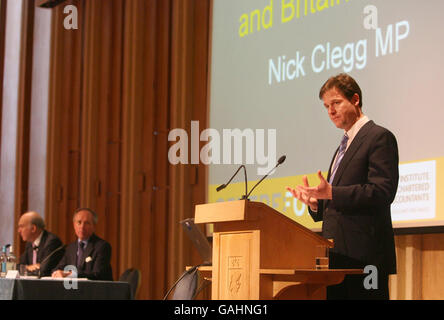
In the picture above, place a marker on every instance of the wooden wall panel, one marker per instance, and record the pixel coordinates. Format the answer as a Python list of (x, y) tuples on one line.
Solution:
[(420, 259), (189, 55), (155, 166), (197, 20), (432, 266), (180, 117), (24, 112), (136, 248), (406, 284), (64, 125), (156, 195)]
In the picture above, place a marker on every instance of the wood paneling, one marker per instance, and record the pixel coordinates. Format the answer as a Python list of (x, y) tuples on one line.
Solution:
[(406, 284), (188, 87), (24, 111), (64, 125), (118, 85), (432, 255), (138, 156), (420, 259)]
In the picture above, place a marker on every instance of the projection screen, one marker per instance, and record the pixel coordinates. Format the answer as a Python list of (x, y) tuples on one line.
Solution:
[(269, 59)]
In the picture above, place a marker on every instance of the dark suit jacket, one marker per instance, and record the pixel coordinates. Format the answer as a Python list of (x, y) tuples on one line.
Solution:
[(98, 254), (358, 217), (48, 244)]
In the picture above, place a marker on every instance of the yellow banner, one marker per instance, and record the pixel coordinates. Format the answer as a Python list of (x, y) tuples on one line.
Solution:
[(417, 202)]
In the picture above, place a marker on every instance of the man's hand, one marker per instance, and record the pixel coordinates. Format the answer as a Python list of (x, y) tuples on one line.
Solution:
[(322, 191), (308, 200), (60, 274), (33, 267)]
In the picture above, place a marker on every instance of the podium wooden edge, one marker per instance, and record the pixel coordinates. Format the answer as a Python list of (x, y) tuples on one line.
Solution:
[(284, 279), (240, 210)]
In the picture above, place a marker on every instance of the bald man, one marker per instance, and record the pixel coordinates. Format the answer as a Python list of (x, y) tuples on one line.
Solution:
[(41, 245)]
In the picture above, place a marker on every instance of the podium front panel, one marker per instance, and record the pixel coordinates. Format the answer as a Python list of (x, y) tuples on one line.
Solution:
[(236, 265)]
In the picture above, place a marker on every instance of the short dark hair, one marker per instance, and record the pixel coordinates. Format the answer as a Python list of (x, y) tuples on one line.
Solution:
[(94, 215), (345, 84)]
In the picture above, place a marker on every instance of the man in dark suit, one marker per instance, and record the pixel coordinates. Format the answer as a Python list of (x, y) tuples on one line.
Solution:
[(43, 249), (89, 254), (354, 201)]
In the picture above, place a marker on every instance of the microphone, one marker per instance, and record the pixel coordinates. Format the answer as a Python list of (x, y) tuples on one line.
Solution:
[(51, 254), (223, 186), (279, 162)]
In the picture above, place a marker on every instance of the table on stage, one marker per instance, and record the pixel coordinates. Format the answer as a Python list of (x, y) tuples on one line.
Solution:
[(54, 289)]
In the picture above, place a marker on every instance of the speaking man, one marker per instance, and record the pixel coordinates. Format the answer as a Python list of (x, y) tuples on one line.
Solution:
[(43, 249), (354, 201)]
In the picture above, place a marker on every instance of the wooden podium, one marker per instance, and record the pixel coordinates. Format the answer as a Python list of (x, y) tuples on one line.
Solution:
[(258, 253)]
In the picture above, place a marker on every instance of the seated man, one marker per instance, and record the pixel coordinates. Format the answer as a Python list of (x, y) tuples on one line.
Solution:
[(43, 249), (89, 254)]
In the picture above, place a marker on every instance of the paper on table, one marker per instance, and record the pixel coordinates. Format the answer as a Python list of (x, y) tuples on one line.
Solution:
[(51, 278)]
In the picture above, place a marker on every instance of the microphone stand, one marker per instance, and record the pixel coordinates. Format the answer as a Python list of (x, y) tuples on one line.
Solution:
[(280, 161), (223, 186), (247, 194)]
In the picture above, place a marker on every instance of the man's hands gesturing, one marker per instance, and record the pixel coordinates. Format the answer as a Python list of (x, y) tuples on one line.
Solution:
[(310, 195)]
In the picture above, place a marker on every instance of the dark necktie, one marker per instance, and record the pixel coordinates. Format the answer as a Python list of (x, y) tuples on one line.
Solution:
[(80, 250), (34, 254), (341, 153)]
